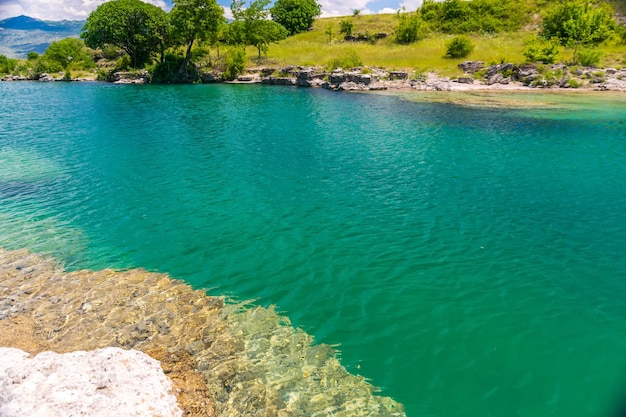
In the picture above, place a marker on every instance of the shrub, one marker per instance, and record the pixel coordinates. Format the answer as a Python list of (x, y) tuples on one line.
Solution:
[(573, 83), (44, 66), (484, 16), (542, 50), (410, 28), (7, 65), (123, 62), (32, 56), (346, 26), (459, 47), (579, 22), (70, 52), (588, 57), (349, 60), (234, 63), (168, 71), (329, 32)]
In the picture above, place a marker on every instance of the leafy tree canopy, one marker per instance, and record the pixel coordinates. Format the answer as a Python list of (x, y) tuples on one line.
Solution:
[(295, 15), (139, 29), (253, 27), (195, 20)]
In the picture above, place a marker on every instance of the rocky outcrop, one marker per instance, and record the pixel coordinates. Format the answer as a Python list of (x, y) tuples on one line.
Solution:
[(46, 78), (476, 76), (470, 67), (121, 77), (100, 383)]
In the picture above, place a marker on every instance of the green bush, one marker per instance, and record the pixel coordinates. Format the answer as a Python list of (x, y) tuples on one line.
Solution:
[(168, 71), (482, 16), (573, 83), (588, 57), (459, 47), (32, 56), (123, 63), (234, 63), (349, 60), (346, 26), (70, 53), (410, 28), (539, 49), (44, 66), (7, 65)]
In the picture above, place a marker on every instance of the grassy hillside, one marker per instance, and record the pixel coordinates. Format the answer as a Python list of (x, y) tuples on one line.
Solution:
[(316, 47)]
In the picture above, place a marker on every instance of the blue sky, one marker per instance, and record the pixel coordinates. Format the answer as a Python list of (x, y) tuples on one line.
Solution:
[(79, 9)]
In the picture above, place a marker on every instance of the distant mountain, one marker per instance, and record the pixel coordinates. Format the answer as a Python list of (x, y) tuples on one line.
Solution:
[(22, 34)]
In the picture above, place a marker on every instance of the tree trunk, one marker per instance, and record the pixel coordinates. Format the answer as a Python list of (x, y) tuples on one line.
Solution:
[(183, 68)]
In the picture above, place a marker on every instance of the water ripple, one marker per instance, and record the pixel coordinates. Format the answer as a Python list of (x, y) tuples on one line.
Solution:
[(469, 261)]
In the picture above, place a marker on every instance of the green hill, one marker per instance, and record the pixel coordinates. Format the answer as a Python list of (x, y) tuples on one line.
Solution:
[(324, 43)]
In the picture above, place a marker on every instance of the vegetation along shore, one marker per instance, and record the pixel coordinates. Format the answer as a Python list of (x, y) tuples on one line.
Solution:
[(447, 45)]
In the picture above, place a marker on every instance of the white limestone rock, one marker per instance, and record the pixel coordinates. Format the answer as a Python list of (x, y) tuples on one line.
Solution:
[(105, 382)]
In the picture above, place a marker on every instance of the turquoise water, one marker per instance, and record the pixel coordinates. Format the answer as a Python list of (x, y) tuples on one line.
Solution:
[(469, 260)]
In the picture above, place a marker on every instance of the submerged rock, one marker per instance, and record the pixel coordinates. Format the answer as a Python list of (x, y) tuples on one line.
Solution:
[(252, 360)]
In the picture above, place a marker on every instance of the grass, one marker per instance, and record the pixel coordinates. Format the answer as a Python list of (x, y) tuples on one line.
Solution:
[(313, 48)]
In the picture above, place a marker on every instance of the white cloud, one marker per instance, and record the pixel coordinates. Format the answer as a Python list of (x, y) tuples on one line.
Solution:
[(228, 14), (56, 9), (411, 5), (333, 8)]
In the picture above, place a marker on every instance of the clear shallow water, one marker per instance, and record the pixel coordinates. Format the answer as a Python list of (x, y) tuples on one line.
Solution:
[(469, 260)]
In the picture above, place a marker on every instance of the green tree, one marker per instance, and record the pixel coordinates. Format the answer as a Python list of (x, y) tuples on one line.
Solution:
[(579, 22), (139, 29), (252, 26), (69, 52), (329, 32), (195, 20), (295, 15)]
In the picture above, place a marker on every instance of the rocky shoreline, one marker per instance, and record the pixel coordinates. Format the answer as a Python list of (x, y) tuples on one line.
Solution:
[(224, 359), (476, 76)]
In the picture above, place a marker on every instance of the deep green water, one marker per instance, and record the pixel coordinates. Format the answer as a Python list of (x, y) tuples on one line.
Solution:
[(469, 260)]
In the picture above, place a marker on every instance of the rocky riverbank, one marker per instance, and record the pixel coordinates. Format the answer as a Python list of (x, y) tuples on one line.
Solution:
[(224, 359), (476, 76)]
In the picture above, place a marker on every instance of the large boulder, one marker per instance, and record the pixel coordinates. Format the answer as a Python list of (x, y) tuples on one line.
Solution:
[(471, 67), (499, 68), (100, 383), (398, 75)]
